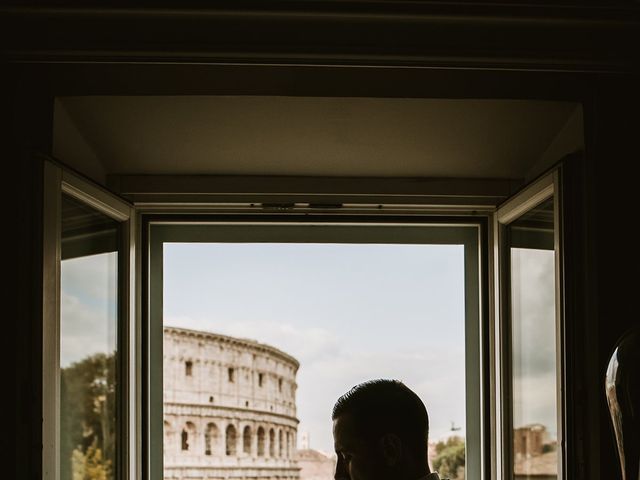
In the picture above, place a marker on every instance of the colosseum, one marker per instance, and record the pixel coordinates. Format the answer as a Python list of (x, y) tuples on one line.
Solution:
[(229, 408)]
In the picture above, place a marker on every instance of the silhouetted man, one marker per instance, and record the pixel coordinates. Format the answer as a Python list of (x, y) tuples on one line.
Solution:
[(380, 431)]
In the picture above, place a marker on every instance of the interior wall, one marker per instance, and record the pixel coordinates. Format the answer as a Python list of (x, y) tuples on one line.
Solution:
[(71, 147), (308, 135), (612, 132), (25, 129), (569, 140)]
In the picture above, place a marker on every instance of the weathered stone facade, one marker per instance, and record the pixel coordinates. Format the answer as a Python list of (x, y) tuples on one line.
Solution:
[(315, 465), (535, 456), (528, 441), (229, 408)]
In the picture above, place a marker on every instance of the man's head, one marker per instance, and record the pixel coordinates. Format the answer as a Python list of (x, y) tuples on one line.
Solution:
[(380, 431)]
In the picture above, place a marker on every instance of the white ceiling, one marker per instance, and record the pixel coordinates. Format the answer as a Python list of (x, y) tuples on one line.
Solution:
[(257, 135)]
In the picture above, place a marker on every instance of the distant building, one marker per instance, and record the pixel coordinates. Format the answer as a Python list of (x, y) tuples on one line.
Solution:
[(535, 456), (528, 440), (315, 465), (305, 441), (229, 408), (541, 467)]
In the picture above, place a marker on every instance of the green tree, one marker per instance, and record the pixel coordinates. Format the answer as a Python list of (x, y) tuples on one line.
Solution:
[(88, 410), (450, 458), (90, 465)]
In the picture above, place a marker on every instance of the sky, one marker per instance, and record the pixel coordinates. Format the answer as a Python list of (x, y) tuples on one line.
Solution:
[(348, 313), (534, 349), (88, 306)]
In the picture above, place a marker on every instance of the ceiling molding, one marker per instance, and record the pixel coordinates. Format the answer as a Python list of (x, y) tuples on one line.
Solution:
[(325, 191), (543, 37)]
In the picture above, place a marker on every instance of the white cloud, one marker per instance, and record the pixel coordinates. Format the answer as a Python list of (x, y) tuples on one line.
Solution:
[(305, 344), (88, 311), (534, 331), (535, 401), (84, 330), (94, 277)]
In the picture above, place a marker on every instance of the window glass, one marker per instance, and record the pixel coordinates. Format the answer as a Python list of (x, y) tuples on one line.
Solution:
[(281, 330), (88, 343), (533, 344)]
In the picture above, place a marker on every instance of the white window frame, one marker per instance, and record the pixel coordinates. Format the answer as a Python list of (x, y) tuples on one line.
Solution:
[(136, 458), (542, 189), (59, 181), (433, 231)]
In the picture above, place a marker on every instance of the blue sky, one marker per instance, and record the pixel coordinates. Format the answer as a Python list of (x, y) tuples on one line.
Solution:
[(348, 313)]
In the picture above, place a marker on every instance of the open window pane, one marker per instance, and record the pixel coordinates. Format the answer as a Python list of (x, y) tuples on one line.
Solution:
[(88, 343), (533, 344), (261, 337)]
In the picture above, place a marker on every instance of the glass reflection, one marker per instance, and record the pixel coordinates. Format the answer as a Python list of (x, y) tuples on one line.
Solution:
[(88, 336), (533, 351)]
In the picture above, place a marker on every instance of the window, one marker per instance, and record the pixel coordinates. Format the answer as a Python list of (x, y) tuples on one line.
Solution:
[(185, 440), (260, 442), (210, 436), (288, 445), (246, 440), (527, 437), (88, 339), (532, 318), (188, 433), (231, 440), (236, 254), (533, 352), (272, 443), (86, 376)]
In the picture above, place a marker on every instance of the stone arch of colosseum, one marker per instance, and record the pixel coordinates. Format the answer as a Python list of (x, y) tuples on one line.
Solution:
[(229, 408), (249, 439)]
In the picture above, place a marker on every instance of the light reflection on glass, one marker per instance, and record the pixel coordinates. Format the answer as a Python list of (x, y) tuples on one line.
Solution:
[(533, 352), (88, 336)]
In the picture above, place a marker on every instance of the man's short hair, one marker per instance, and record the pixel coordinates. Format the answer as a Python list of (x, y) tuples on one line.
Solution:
[(378, 407)]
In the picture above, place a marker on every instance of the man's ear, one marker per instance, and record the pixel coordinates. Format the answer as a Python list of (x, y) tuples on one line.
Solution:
[(391, 449)]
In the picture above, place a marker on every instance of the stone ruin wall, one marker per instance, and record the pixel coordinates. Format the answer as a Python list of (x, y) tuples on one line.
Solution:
[(229, 408)]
